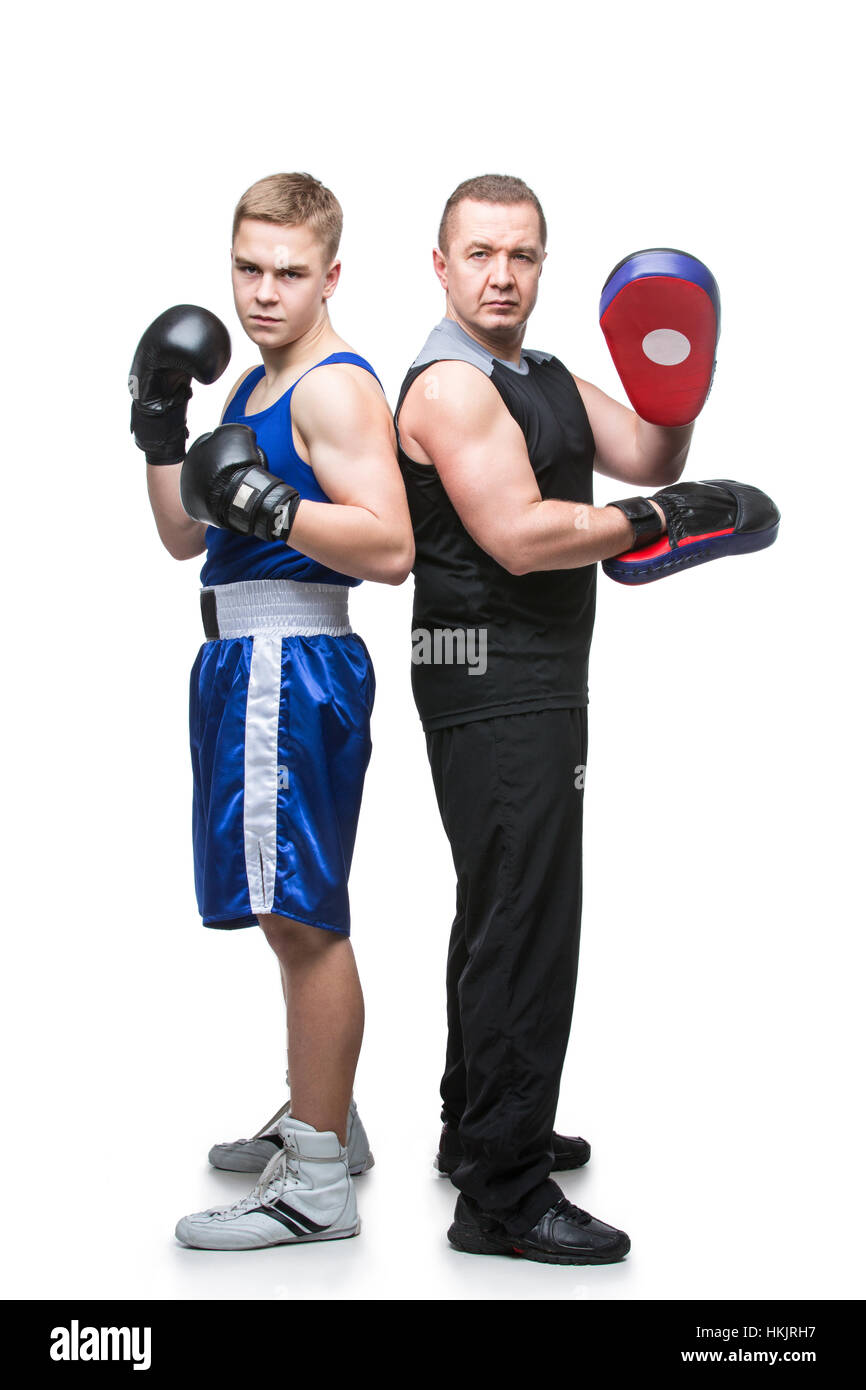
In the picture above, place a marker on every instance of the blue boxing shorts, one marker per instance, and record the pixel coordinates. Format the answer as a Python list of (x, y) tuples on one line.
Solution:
[(280, 702)]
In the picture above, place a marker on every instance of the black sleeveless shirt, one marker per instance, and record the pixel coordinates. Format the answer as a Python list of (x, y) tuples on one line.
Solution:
[(486, 642)]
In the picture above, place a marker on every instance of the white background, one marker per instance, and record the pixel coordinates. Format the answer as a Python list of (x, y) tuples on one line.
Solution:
[(715, 1058)]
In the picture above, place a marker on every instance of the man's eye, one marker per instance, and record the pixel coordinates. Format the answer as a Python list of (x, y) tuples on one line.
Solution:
[(289, 274)]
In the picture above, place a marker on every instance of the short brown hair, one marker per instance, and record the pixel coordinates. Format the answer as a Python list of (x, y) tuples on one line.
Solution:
[(490, 188), (294, 200)]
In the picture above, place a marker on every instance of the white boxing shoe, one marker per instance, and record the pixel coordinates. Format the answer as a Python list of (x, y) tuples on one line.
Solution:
[(305, 1193), (252, 1155)]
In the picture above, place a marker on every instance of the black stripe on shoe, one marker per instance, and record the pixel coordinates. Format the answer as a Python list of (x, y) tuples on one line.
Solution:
[(293, 1213), (283, 1220)]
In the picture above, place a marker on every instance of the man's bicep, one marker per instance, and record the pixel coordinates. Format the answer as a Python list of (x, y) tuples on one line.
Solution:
[(351, 442), (479, 453), (613, 429)]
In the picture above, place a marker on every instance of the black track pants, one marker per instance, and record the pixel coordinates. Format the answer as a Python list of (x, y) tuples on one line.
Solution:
[(513, 814)]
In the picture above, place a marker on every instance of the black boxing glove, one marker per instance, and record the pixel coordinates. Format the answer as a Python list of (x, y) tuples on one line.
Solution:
[(183, 343), (704, 522), (224, 482)]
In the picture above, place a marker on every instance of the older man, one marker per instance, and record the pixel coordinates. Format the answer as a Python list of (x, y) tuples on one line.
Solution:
[(497, 447)]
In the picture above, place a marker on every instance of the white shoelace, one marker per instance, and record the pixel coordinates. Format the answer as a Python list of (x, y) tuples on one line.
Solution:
[(280, 1172)]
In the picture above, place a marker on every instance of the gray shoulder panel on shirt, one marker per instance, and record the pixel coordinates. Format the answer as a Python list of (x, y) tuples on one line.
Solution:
[(450, 343), (447, 345)]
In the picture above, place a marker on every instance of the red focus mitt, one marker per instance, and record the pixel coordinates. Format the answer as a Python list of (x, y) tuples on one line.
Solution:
[(661, 317)]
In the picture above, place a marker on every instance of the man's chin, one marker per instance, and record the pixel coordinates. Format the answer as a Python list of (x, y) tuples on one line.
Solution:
[(268, 334), (502, 323)]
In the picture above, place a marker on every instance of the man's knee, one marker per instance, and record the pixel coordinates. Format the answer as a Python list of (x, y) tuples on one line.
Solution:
[(292, 941)]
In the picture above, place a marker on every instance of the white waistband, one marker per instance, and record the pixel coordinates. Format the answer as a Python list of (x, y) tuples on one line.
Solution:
[(281, 607)]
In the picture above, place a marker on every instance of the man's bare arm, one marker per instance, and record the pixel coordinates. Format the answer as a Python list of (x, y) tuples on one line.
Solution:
[(365, 530), (629, 448), (182, 537), (479, 452)]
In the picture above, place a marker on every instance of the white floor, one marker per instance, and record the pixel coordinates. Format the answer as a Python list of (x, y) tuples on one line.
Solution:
[(730, 1159), (101, 1226)]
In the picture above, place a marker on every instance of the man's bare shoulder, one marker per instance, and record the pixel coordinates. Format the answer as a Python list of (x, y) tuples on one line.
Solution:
[(585, 388), (333, 382), (337, 397), (447, 390), (233, 392), (447, 402)]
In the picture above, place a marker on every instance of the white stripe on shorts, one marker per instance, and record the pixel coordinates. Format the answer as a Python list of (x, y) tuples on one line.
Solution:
[(260, 770)]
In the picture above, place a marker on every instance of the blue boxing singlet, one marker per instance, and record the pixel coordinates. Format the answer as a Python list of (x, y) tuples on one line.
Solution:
[(230, 557)]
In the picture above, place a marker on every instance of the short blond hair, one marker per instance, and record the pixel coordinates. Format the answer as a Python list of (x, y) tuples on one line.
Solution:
[(294, 200), (489, 188)]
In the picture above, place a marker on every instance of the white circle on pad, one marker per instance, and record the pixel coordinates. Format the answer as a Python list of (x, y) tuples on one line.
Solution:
[(666, 347)]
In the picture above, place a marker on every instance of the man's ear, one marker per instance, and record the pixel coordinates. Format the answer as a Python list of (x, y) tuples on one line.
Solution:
[(440, 268), (331, 279)]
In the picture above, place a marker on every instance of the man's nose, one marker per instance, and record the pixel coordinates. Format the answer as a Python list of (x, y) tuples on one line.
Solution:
[(501, 272), (267, 290)]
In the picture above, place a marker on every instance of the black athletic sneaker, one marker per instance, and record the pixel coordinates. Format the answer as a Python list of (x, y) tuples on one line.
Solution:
[(568, 1152), (564, 1235)]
